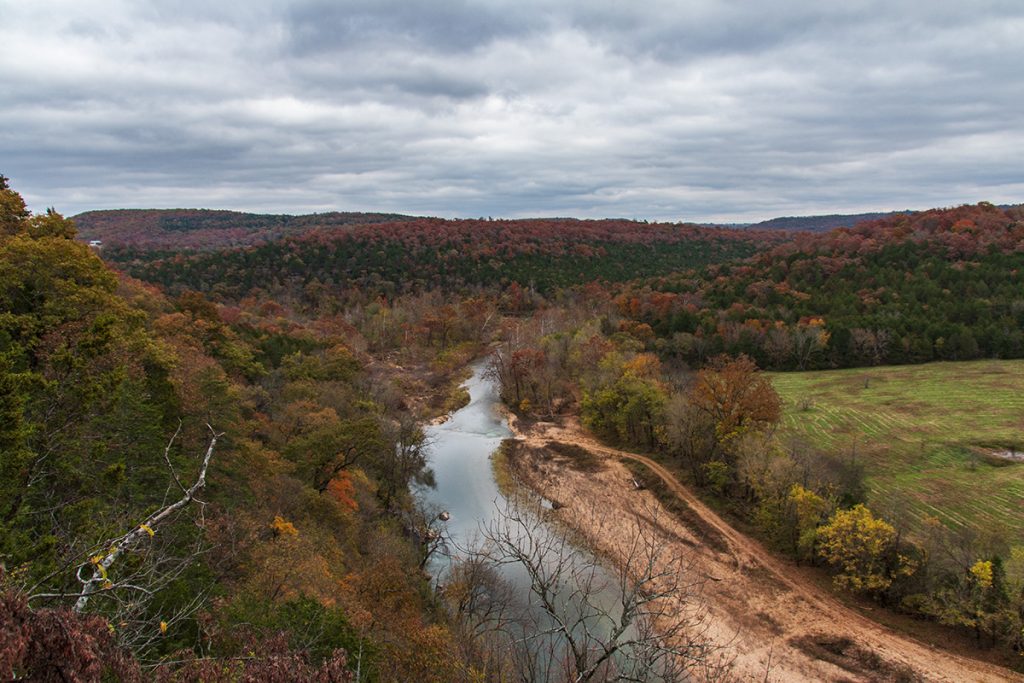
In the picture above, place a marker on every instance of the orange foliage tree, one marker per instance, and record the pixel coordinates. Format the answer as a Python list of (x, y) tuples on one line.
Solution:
[(737, 399)]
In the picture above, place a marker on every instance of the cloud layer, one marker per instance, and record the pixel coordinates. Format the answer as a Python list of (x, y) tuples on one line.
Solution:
[(704, 110)]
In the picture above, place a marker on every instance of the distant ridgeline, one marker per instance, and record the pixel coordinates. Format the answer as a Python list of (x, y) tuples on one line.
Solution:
[(177, 229), (940, 284), (423, 253), (822, 223)]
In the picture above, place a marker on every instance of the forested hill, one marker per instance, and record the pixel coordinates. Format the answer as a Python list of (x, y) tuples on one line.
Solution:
[(939, 284), (427, 253), (206, 229), (821, 223)]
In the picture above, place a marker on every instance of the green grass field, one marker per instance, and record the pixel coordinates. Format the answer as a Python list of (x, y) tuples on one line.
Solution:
[(925, 434)]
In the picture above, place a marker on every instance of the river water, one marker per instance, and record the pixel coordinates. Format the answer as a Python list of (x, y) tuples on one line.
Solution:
[(460, 456), (459, 453)]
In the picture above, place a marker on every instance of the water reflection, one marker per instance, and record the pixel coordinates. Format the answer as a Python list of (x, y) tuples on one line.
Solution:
[(460, 451), (552, 591)]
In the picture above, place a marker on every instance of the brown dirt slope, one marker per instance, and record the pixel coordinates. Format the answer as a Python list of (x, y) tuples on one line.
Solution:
[(777, 621)]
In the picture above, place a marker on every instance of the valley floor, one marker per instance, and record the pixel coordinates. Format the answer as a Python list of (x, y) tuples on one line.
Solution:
[(778, 624)]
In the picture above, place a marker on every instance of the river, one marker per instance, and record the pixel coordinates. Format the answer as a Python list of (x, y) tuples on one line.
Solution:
[(459, 454)]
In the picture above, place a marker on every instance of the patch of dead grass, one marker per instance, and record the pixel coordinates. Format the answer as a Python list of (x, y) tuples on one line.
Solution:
[(577, 457), (850, 656)]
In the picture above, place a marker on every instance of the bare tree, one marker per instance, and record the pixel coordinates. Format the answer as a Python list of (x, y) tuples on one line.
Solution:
[(98, 577), (690, 433), (425, 524), (155, 565), (404, 460), (642, 619), (486, 614)]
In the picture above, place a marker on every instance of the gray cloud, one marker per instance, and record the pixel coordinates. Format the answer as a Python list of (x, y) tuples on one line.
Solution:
[(705, 110), (441, 25)]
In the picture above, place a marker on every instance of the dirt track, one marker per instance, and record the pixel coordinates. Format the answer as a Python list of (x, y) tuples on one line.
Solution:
[(776, 620)]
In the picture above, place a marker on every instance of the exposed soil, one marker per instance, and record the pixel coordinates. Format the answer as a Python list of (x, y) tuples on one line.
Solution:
[(779, 625)]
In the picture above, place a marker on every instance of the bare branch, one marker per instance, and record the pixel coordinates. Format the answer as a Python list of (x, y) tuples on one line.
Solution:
[(639, 618), (167, 457), (101, 563)]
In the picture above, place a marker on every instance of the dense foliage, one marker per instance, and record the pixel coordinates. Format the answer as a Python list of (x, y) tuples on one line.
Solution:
[(935, 285), (300, 559), (396, 258), (176, 229)]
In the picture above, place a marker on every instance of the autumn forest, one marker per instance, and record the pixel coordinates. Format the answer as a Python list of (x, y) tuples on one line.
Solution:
[(214, 442)]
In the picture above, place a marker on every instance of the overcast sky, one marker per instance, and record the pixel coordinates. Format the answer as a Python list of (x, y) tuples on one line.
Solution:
[(680, 110)]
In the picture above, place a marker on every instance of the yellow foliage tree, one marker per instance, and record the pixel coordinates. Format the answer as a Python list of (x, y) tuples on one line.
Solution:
[(808, 509), (982, 572), (863, 549), (283, 527)]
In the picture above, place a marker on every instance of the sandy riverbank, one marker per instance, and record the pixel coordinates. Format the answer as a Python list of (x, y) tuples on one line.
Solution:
[(774, 620)]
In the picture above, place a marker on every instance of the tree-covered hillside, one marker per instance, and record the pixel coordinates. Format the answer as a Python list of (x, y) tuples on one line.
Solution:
[(393, 258), (188, 229), (942, 284)]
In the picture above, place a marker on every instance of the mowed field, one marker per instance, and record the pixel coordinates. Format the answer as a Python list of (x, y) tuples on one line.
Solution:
[(925, 434)]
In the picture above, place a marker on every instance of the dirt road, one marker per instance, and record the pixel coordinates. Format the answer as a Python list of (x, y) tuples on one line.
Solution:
[(782, 626)]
